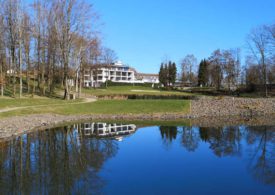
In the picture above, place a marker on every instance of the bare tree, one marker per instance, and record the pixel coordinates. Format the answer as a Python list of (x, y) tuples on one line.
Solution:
[(26, 38), (80, 46), (259, 43), (187, 66), (10, 12), (94, 53), (72, 16), (231, 67), (20, 32), (252, 73), (40, 34), (216, 68), (2, 55), (108, 56)]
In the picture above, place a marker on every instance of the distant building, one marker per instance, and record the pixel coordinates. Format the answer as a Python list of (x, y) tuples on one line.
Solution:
[(116, 72), (147, 78)]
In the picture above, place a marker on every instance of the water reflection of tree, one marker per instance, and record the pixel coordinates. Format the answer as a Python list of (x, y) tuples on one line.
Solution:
[(54, 161), (260, 145), (168, 134), (261, 142), (224, 141), (190, 138)]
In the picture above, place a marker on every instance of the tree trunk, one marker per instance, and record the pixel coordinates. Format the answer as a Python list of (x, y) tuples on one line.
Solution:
[(27, 74), (265, 73), (2, 80), (20, 67), (33, 87), (13, 71), (66, 93), (43, 89), (76, 83), (80, 82)]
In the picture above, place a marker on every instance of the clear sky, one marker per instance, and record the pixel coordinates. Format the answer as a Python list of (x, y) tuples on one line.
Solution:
[(145, 32)]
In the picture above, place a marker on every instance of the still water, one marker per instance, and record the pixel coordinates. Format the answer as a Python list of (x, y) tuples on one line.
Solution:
[(100, 158)]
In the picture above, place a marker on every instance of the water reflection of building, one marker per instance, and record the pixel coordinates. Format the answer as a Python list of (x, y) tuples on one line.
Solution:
[(107, 130)]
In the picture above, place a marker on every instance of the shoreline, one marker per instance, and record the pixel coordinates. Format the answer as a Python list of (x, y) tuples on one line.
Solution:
[(18, 125), (203, 112)]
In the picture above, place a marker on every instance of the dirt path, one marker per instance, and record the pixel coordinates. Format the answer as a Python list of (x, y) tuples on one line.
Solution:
[(85, 100)]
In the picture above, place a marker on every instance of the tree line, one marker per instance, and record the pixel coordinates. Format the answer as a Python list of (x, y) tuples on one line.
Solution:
[(223, 68), (48, 44)]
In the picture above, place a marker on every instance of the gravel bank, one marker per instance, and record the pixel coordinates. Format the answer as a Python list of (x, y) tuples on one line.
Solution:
[(21, 124), (230, 106)]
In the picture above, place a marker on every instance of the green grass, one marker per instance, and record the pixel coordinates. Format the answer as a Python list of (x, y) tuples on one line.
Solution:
[(40, 105), (11, 102), (130, 90), (109, 107)]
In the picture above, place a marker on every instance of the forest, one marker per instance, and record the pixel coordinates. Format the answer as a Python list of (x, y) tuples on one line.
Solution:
[(46, 45)]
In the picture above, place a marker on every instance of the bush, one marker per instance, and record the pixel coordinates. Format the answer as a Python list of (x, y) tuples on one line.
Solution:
[(112, 84)]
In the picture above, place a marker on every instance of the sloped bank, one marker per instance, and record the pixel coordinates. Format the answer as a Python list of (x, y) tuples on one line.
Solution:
[(231, 106)]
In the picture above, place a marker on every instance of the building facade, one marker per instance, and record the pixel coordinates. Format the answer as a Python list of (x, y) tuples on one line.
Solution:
[(116, 72), (147, 78)]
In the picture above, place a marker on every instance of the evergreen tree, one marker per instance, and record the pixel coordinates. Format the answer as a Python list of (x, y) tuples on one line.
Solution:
[(203, 73), (167, 74), (170, 73), (173, 75), (161, 74)]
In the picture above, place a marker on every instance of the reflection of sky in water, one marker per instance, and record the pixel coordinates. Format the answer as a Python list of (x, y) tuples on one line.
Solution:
[(123, 160)]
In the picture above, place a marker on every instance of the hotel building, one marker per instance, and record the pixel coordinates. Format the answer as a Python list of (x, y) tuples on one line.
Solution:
[(116, 72)]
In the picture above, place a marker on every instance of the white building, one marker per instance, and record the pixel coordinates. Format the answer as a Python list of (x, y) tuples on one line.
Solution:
[(147, 78), (116, 72)]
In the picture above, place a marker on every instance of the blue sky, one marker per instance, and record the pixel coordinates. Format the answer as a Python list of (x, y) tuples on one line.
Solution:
[(145, 32)]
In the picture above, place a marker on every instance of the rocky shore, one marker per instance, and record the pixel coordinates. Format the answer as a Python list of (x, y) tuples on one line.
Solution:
[(21, 124), (203, 112), (231, 106)]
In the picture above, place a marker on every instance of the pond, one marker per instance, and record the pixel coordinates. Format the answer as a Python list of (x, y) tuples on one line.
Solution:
[(104, 158)]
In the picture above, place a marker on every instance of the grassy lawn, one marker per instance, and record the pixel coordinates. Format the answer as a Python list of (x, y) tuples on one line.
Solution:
[(39, 105), (11, 102), (109, 107), (130, 90)]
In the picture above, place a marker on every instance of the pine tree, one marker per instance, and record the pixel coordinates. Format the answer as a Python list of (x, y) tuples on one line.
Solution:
[(173, 73), (166, 75), (200, 74), (203, 73), (170, 73), (161, 74), (206, 72)]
